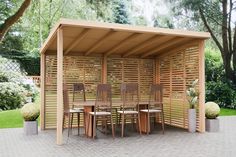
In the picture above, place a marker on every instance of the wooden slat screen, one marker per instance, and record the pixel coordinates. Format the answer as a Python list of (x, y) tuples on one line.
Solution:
[(130, 70), (177, 71), (76, 69)]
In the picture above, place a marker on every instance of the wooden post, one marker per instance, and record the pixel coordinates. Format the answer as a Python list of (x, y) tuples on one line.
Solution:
[(201, 87), (104, 69), (157, 70), (42, 93), (59, 85)]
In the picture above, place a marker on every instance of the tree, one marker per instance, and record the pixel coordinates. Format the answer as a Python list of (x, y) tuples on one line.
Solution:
[(9, 21), (120, 12), (217, 18)]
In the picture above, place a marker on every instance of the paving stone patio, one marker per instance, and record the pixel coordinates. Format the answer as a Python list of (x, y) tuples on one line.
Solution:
[(174, 143)]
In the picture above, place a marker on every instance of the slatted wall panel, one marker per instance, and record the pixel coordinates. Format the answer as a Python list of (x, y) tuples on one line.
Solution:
[(76, 69), (130, 70), (177, 71)]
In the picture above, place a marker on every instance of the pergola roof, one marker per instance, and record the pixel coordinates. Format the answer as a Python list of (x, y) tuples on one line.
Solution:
[(87, 38)]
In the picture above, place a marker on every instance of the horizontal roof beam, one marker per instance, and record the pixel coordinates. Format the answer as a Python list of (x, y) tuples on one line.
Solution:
[(164, 46), (183, 46), (100, 42), (121, 43), (143, 45), (79, 38)]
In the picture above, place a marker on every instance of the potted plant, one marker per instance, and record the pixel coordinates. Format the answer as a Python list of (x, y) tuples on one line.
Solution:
[(30, 113), (192, 96), (212, 111)]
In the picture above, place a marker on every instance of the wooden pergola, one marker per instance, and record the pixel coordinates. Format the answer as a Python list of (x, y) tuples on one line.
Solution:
[(94, 52)]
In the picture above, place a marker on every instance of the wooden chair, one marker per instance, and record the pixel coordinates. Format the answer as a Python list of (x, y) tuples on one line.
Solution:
[(68, 112), (155, 105), (78, 97), (130, 104), (102, 108)]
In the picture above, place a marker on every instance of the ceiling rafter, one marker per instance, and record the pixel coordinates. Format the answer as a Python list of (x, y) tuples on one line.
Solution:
[(165, 45), (77, 40), (144, 44), (120, 44), (100, 42)]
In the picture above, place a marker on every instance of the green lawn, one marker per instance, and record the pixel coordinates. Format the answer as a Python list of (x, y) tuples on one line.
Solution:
[(227, 112), (11, 119)]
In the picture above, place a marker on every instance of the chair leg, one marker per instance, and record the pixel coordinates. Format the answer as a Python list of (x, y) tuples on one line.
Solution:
[(123, 123), (94, 126), (132, 120), (72, 117), (85, 131), (112, 128), (119, 119), (163, 122), (139, 124), (63, 122), (78, 121), (69, 124), (148, 123)]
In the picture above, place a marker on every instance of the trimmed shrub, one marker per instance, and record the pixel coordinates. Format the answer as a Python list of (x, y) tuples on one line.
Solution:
[(12, 96), (30, 112), (212, 110)]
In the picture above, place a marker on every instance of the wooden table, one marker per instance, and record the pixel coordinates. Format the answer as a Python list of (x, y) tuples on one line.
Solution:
[(89, 107)]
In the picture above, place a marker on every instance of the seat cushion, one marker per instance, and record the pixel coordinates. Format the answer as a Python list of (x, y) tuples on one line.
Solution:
[(150, 111), (101, 113), (128, 112), (76, 110)]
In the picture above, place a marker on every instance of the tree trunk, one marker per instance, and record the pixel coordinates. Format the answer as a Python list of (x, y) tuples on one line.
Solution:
[(13, 19)]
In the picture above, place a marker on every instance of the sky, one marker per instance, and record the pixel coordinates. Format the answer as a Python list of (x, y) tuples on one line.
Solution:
[(148, 8)]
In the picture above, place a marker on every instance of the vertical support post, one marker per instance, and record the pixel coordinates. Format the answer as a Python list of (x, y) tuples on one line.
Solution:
[(59, 85), (201, 87), (104, 69), (42, 92), (157, 71)]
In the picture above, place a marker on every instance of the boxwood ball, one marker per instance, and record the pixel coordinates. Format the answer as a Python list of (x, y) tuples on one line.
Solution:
[(212, 110)]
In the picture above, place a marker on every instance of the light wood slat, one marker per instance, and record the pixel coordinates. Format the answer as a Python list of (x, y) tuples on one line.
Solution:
[(78, 39), (42, 90), (121, 43), (100, 42), (201, 87), (59, 103), (142, 45), (165, 45)]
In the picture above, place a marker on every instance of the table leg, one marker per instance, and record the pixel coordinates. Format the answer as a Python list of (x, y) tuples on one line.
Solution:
[(88, 122)]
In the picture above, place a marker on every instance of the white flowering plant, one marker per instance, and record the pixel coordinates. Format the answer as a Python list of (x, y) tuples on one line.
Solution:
[(192, 94)]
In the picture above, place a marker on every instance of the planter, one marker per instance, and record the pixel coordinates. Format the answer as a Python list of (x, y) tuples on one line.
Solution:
[(192, 120), (213, 125), (31, 127)]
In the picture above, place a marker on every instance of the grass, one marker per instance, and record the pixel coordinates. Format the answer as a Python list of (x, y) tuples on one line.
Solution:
[(13, 118), (227, 112)]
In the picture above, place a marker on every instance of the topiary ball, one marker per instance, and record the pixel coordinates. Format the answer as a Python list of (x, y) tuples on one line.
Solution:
[(212, 110), (30, 112)]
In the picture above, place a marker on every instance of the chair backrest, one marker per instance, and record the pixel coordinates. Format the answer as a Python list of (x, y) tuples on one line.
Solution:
[(103, 97), (65, 98), (156, 96), (79, 89), (129, 95)]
